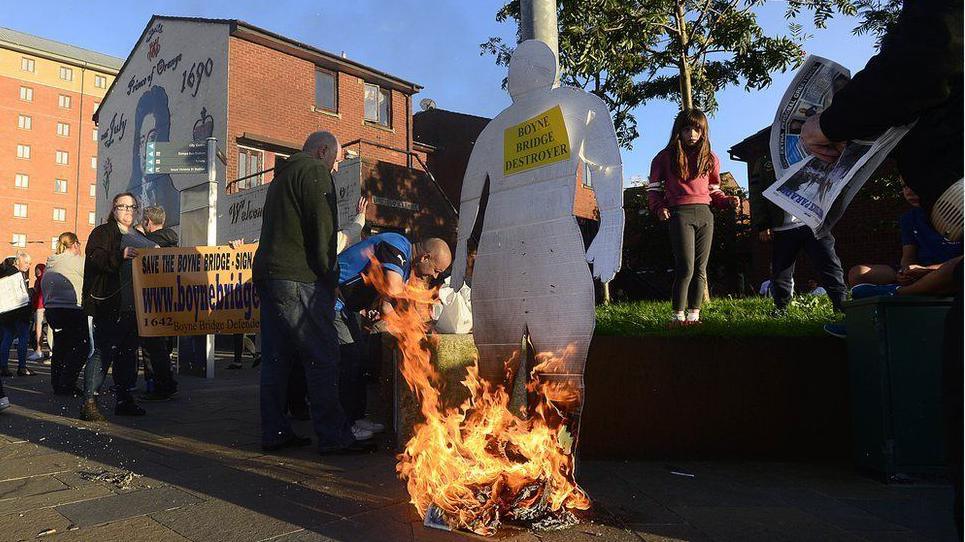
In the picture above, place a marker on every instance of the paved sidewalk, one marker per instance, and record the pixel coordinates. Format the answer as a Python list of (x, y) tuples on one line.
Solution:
[(199, 474)]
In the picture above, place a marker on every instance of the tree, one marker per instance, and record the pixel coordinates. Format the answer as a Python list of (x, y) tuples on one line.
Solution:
[(629, 52)]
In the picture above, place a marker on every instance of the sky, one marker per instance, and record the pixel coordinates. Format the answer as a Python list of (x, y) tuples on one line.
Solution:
[(434, 43)]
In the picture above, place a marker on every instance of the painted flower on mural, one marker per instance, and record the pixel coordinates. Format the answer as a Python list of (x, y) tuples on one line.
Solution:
[(108, 168)]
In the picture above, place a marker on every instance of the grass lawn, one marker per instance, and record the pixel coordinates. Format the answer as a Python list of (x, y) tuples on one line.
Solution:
[(724, 316)]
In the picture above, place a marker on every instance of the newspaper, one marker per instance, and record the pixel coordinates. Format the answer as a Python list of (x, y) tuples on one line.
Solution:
[(13, 293), (810, 92), (814, 191)]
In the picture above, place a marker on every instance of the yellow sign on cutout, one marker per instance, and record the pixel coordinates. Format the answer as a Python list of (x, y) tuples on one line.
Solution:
[(536, 142)]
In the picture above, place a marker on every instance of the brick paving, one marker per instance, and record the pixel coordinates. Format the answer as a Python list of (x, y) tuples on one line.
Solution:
[(199, 475)]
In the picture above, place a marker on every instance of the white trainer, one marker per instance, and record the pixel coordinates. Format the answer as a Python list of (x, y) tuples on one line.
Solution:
[(369, 426), (361, 434), (35, 356), (4, 403)]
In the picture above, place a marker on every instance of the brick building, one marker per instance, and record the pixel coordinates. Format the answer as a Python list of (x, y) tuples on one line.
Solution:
[(867, 233), (48, 142), (260, 94)]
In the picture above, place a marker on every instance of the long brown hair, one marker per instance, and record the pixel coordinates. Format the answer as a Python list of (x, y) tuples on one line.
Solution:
[(65, 241), (678, 155)]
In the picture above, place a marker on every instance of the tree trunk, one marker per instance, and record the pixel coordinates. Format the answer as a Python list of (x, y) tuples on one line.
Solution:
[(686, 91)]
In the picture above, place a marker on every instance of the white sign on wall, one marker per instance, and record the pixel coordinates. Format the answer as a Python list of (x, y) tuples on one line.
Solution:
[(173, 88)]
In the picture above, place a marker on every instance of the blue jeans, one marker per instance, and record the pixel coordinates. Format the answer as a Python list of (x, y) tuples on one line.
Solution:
[(297, 323), (824, 261), (115, 344), (21, 330)]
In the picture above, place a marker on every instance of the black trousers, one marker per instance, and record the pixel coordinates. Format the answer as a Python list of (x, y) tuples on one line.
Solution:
[(71, 347), (157, 353), (953, 397), (787, 245)]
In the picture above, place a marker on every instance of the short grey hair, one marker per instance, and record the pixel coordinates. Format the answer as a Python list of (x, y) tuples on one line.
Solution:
[(155, 213), (24, 256), (318, 140)]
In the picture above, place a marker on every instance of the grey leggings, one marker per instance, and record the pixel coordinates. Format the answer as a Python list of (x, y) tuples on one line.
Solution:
[(691, 235)]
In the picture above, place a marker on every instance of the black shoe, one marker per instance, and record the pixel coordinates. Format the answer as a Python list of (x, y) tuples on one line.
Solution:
[(25, 372), (256, 361), (355, 448), (129, 408), (294, 441), (234, 365), (5, 372)]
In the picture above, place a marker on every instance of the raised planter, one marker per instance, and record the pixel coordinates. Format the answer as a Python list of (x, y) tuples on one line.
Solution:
[(693, 397)]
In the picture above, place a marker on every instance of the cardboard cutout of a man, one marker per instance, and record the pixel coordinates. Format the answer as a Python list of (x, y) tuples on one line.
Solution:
[(530, 276)]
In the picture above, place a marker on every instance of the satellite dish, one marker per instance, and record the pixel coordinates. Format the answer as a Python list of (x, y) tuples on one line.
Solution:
[(427, 104)]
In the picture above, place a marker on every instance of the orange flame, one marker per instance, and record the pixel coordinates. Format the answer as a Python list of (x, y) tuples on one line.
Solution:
[(479, 463)]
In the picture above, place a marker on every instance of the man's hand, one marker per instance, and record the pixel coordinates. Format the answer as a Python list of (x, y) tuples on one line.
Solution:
[(911, 273), (765, 235), (817, 143), (362, 206), (129, 253), (663, 214), (236, 243)]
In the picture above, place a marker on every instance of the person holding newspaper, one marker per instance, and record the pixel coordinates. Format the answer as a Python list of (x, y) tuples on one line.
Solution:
[(917, 77), (684, 182)]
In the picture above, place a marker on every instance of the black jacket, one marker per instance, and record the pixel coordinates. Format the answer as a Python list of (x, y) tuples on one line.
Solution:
[(765, 214), (164, 237), (102, 271), (917, 74), (297, 240)]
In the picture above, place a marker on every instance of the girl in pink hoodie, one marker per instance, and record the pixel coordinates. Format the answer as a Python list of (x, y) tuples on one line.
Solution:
[(684, 182)]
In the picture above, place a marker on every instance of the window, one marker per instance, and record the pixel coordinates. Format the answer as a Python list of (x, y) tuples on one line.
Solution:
[(19, 240), (27, 94), (250, 161), (587, 175), (91, 218), (63, 129), (100, 81), (377, 107), (23, 152), (63, 101), (24, 122), (326, 90), (21, 181), (94, 135), (93, 190), (53, 244), (27, 64), (66, 73), (20, 210), (60, 214), (63, 158), (93, 162), (97, 106), (60, 186)]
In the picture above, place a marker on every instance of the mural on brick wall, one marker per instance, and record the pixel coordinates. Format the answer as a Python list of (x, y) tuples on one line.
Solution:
[(173, 89)]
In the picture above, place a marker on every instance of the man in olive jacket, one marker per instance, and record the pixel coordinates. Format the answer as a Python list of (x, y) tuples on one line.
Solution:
[(295, 272)]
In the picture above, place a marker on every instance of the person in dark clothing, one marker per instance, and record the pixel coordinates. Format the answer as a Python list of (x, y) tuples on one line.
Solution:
[(16, 323), (157, 350), (789, 236), (108, 300), (917, 76), (295, 272)]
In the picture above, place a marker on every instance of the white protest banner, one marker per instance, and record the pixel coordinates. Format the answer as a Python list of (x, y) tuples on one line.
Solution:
[(13, 293)]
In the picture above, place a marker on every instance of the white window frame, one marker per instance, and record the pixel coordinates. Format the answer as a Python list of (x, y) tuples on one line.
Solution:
[(62, 211), (63, 101), (27, 94), (386, 122), (66, 73), (21, 180), (334, 76), (53, 244), (23, 152), (63, 129), (91, 218), (100, 81), (19, 240), (28, 64), (25, 122), (94, 132), (20, 210), (243, 170), (62, 154), (93, 162), (92, 190), (61, 182)]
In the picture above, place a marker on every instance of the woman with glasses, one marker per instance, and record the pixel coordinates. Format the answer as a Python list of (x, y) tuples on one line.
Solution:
[(108, 300)]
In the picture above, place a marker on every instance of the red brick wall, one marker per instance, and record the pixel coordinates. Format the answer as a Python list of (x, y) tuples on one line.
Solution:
[(272, 94), (433, 218), (39, 226)]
